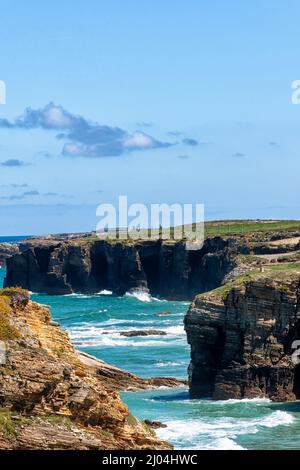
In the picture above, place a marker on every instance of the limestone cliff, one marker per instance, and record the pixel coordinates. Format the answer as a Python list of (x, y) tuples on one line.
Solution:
[(49, 397), (242, 335)]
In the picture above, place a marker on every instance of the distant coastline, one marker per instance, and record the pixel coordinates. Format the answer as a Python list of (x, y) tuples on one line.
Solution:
[(13, 239)]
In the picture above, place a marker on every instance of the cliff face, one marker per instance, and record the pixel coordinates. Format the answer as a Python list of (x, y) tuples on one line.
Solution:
[(49, 398), (241, 341), (164, 268), (7, 250)]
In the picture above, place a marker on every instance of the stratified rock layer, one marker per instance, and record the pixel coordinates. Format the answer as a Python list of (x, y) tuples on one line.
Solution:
[(242, 344), (162, 268), (49, 397)]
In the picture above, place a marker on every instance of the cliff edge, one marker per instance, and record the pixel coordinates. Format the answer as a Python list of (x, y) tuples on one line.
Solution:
[(164, 268), (242, 337), (49, 397), (171, 269)]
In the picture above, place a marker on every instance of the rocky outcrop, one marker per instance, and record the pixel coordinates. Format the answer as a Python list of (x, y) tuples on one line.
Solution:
[(6, 251), (50, 398), (242, 340), (122, 380), (132, 333), (164, 268)]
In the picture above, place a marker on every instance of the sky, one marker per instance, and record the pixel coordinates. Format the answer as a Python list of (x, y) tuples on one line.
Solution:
[(164, 102)]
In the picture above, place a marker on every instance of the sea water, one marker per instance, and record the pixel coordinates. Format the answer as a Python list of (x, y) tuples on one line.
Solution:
[(94, 323)]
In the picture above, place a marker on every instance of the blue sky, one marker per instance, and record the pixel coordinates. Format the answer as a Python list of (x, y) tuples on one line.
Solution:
[(162, 101)]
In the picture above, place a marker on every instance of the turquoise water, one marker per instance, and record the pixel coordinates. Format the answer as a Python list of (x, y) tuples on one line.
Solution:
[(94, 323)]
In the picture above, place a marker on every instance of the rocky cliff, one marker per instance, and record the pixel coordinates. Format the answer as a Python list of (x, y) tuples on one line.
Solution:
[(6, 251), (242, 335), (51, 397), (164, 268)]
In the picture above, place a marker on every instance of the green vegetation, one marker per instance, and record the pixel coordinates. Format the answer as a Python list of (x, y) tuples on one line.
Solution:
[(106, 433), (283, 273), (10, 421), (57, 420), (222, 292), (7, 424), (7, 331), (236, 227), (283, 267), (223, 228), (5, 308), (131, 420), (250, 259), (16, 295), (9, 298), (148, 428), (227, 228)]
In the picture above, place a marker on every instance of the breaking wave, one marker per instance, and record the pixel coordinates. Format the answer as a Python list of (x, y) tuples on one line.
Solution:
[(218, 433), (142, 296)]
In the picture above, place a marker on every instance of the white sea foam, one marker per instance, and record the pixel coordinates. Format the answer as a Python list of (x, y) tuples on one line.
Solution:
[(105, 292), (118, 321), (142, 295), (94, 336), (107, 340), (175, 330), (77, 295), (231, 401), (276, 419), (218, 433), (169, 364), (224, 443)]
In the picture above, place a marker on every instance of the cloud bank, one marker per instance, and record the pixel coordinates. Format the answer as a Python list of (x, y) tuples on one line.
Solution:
[(189, 141), (13, 162), (84, 138)]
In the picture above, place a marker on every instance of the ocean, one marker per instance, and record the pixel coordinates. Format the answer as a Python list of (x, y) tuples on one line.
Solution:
[(13, 239), (94, 323)]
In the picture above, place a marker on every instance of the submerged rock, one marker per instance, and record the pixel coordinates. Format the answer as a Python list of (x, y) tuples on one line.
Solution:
[(155, 424), (163, 314), (143, 333)]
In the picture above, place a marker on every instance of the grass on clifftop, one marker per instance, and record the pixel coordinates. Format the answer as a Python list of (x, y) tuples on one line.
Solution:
[(16, 295), (283, 273), (7, 330), (226, 228), (223, 228), (242, 227)]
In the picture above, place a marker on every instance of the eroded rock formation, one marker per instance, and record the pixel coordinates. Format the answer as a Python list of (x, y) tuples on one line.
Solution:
[(242, 340), (51, 397), (163, 268)]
